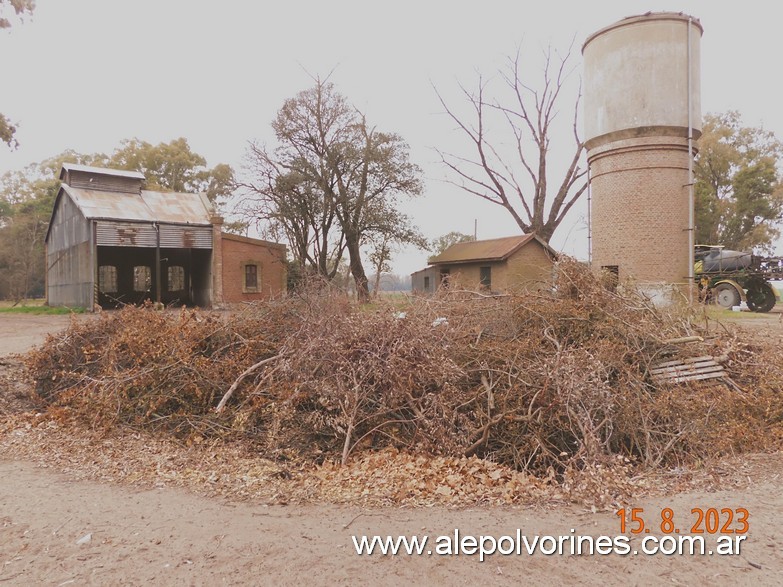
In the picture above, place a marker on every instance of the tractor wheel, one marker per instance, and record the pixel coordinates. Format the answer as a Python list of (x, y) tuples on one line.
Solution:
[(726, 295), (761, 297)]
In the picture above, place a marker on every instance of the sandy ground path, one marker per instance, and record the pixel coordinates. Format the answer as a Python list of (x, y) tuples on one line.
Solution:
[(170, 537), (20, 332)]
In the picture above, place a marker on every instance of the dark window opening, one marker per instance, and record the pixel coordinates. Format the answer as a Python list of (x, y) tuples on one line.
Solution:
[(251, 277), (611, 275), (445, 274), (427, 283), (107, 279), (485, 277), (176, 278), (142, 278)]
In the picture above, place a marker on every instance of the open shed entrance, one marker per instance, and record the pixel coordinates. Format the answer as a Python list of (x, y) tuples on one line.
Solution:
[(129, 276), (171, 264)]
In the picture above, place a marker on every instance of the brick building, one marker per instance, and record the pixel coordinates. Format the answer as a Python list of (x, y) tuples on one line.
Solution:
[(110, 242), (252, 269), (513, 263)]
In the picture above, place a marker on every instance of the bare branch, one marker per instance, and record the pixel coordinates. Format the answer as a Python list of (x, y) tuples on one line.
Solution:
[(241, 378), (528, 118)]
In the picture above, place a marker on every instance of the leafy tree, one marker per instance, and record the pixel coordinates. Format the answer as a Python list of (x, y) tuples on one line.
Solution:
[(7, 132), (38, 182), (443, 242), (173, 167), (21, 251), (517, 178), (332, 183), (739, 195), (26, 199), (20, 9)]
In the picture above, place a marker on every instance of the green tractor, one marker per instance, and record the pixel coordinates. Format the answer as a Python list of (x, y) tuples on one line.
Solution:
[(729, 278)]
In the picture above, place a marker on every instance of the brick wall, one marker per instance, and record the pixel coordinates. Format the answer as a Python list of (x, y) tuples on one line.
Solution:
[(528, 269), (269, 258), (640, 208)]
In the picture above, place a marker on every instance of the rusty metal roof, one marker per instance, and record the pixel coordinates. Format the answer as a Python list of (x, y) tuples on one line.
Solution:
[(147, 206), (99, 171), (496, 249)]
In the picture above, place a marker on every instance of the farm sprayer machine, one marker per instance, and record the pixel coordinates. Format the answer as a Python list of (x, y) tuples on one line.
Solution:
[(730, 277)]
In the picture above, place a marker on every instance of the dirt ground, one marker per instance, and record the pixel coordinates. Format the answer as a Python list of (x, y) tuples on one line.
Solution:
[(19, 332), (770, 323), (58, 528)]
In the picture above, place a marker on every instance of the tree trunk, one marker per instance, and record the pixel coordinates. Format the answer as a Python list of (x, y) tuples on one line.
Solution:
[(545, 232), (357, 270)]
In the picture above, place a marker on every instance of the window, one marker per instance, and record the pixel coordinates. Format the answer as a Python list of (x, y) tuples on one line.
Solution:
[(426, 283), (176, 278), (611, 275), (142, 278), (485, 277), (107, 279), (251, 277), (445, 274)]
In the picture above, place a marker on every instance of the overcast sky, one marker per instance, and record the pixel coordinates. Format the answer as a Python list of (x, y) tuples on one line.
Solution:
[(85, 74)]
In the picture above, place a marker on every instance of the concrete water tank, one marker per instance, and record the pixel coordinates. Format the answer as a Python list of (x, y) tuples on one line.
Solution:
[(642, 101)]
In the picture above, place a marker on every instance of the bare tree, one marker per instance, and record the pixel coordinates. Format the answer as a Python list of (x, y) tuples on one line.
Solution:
[(329, 181), (292, 206), (518, 182)]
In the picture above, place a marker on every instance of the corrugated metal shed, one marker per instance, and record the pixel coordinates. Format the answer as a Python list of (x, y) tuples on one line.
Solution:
[(102, 218), (496, 249), (142, 234), (100, 171), (118, 234), (147, 206), (185, 237)]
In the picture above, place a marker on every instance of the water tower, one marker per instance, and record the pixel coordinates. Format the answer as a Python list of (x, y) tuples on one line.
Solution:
[(642, 114)]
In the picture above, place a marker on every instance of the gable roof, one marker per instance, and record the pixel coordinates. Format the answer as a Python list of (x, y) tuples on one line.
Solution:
[(496, 249), (146, 206), (99, 171)]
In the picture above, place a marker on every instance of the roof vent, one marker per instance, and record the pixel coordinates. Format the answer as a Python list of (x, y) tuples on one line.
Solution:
[(102, 178)]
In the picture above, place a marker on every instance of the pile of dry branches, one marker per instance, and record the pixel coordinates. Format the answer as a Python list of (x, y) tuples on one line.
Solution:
[(552, 383), (151, 369)]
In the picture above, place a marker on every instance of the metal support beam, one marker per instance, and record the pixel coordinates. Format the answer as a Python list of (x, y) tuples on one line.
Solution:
[(157, 262)]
